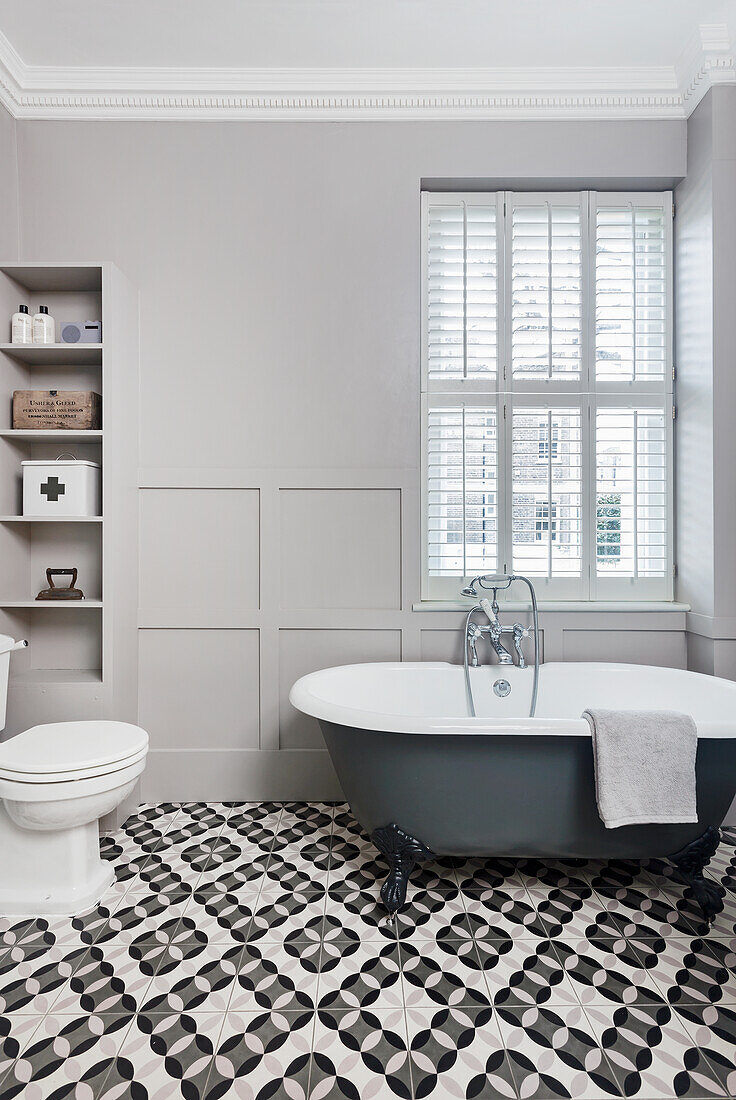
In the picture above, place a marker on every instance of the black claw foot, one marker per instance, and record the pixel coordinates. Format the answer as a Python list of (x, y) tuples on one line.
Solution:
[(690, 863), (403, 852)]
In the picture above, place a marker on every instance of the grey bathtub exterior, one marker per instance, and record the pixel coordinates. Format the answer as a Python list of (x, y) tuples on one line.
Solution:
[(513, 796), (508, 795)]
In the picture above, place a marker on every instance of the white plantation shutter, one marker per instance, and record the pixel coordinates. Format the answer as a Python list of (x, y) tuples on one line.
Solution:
[(546, 288), (631, 492), (462, 488), (547, 492), (547, 383), (461, 290), (631, 279)]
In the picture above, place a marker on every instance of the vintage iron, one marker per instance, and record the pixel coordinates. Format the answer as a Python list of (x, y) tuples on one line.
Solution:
[(66, 592)]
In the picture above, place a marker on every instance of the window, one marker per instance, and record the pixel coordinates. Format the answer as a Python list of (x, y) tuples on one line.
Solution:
[(543, 529), (547, 392), (544, 441)]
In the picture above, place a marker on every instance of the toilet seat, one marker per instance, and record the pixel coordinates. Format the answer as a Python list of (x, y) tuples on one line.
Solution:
[(61, 752), (71, 785)]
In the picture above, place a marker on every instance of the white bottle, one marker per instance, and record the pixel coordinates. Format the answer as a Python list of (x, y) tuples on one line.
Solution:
[(21, 327), (44, 329)]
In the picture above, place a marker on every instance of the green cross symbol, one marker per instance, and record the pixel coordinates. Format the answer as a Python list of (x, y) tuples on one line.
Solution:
[(52, 489)]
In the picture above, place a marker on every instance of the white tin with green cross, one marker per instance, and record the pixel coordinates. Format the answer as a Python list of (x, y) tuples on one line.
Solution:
[(64, 486)]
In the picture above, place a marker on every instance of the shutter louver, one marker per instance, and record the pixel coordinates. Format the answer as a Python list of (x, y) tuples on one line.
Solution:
[(631, 294), (546, 282), (461, 291), (547, 492), (462, 527), (631, 493)]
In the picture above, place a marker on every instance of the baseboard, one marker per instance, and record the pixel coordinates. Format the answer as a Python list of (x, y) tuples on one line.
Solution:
[(249, 775)]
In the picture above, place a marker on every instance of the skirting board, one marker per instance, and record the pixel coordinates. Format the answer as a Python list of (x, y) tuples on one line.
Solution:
[(247, 776)]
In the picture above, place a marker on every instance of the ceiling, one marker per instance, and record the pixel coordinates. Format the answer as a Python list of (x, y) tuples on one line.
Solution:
[(362, 58), (353, 33)]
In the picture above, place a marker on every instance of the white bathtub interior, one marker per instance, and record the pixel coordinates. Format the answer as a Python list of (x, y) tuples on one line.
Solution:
[(430, 697)]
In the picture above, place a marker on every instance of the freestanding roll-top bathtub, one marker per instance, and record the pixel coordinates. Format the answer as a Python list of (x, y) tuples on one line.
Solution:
[(423, 779)]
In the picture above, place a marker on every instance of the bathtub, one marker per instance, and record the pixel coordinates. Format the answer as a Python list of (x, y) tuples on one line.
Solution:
[(425, 780)]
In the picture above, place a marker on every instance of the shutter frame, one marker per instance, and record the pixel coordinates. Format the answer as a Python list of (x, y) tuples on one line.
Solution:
[(588, 392)]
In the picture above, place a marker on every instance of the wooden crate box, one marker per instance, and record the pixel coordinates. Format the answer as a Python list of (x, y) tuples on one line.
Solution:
[(80, 409)]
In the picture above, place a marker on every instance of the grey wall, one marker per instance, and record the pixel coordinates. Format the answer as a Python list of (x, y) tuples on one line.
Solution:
[(279, 460), (8, 187), (694, 453), (705, 230)]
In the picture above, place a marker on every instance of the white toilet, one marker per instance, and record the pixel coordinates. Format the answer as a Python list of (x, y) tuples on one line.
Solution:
[(56, 782)]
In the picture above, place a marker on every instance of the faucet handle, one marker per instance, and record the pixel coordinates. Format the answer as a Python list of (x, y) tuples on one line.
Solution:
[(488, 610)]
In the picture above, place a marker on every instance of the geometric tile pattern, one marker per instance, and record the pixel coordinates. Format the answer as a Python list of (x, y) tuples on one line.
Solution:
[(241, 952)]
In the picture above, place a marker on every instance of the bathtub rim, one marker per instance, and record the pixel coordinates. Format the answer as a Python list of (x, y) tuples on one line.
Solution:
[(316, 706)]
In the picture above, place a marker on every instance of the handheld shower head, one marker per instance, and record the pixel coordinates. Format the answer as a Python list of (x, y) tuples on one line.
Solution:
[(495, 581)]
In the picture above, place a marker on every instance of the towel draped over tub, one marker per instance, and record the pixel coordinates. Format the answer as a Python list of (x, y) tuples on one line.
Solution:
[(644, 762)]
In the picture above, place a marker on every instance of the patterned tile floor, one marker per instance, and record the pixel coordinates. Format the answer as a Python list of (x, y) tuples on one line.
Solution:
[(241, 953)]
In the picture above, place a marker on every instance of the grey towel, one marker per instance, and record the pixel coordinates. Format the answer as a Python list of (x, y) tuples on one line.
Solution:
[(644, 762)]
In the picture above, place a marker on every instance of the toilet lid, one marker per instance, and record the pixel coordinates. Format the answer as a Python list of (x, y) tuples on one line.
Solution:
[(71, 747)]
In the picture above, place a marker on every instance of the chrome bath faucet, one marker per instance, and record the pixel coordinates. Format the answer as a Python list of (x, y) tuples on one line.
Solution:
[(494, 630)]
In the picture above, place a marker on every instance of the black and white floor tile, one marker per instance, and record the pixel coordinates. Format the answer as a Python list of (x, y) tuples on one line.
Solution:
[(242, 953)]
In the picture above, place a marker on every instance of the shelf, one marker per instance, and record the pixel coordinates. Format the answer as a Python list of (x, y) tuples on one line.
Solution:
[(50, 519), (55, 355), (51, 435), (82, 605), (58, 676), (56, 277)]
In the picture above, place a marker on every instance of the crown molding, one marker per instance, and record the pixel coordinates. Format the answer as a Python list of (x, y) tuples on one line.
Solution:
[(708, 60), (12, 70), (48, 92)]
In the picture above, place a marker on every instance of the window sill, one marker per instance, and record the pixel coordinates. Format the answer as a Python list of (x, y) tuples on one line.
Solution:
[(594, 606)]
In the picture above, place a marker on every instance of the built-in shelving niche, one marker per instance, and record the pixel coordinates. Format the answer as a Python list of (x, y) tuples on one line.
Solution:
[(65, 639), (67, 672)]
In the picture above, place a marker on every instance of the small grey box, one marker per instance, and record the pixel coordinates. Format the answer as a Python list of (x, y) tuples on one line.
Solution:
[(80, 332)]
